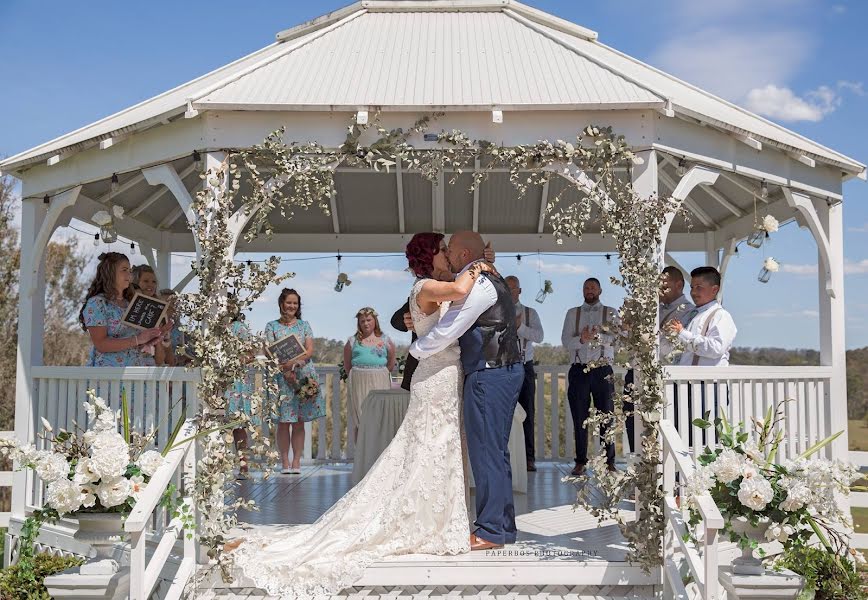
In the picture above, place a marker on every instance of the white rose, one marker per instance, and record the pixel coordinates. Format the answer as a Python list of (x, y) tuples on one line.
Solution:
[(786, 532), (749, 470), (137, 486), (755, 493), (64, 496), (84, 472), (118, 212), (51, 467), (113, 492), (101, 218), (770, 224), (149, 462), (727, 467), (774, 532), (88, 496), (110, 455), (771, 265)]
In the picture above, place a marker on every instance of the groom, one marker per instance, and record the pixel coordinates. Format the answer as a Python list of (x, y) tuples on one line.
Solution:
[(484, 325)]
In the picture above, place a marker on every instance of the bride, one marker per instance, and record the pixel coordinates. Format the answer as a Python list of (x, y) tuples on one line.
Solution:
[(412, 501)]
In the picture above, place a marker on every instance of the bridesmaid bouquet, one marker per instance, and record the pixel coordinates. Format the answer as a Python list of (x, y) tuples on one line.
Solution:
[(308, 388)]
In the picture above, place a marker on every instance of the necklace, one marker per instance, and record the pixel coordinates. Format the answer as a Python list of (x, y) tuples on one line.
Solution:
[(286, 321)]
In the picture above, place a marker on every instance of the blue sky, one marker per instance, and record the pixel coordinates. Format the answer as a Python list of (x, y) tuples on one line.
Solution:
[(800, 62)]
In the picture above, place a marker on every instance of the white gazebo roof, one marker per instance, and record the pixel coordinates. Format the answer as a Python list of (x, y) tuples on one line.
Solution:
[(436, 54)]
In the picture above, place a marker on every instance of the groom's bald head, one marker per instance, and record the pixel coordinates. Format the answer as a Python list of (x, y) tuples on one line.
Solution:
[(464, 248)]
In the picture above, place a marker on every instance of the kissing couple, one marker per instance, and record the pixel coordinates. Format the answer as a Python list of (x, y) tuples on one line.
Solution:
[(412, 501)]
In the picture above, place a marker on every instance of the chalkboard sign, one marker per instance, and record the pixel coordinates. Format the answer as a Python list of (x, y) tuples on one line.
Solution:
[(286, 349), (145, 312)]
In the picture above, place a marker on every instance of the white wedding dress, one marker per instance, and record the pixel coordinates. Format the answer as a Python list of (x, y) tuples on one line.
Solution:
[(412, 501)]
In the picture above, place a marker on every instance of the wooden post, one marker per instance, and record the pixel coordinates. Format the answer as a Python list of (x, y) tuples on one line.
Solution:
[(31, 319), (832, 323)]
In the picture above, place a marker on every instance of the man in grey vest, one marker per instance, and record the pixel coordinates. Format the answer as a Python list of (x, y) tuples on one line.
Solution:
[(589, 335), (530, 332), (484, 325)]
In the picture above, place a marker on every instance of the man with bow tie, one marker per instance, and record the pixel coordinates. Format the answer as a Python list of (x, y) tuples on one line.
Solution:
[(589, 335)]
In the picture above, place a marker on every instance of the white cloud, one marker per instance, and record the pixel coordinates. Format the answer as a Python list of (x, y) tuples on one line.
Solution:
[(731, 62), (799, 269), (563, 268), (381, 275), (863, 229), (786, 314), (856, 268), (783, 104)]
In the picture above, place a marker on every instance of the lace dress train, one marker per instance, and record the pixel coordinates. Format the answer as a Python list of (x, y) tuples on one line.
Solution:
[(412, 501)]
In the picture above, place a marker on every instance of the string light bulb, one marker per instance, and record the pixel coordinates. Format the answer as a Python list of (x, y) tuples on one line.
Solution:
[(46, 199), (96, 239), (115, 183), (518, 258), (608, 259), (197, 160), (681, 170), (764, 189), (132, 248)]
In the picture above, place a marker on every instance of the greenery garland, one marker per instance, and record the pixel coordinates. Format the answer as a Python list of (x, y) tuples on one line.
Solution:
[(287, 177)]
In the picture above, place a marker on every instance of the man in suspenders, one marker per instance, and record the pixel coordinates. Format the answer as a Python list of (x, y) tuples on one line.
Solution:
[(589, 335), (674, 304), (530, 332)]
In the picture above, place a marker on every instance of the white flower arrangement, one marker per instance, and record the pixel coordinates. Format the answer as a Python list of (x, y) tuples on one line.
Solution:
[(118, 212), (796, 500), (101, 218), (769, 224), (771, 265)]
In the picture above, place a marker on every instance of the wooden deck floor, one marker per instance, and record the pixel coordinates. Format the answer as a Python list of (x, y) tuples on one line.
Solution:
[(556, 546)]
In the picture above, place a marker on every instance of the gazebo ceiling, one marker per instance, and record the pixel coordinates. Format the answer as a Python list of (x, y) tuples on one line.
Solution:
[(454, 55)]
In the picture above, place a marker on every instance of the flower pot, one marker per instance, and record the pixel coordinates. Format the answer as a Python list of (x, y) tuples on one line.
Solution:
[(101, 531), (747, 564)]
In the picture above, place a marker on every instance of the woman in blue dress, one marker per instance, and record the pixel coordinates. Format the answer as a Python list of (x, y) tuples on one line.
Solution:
[(301, 400), (369, 357), (115, 344), (238, 396)]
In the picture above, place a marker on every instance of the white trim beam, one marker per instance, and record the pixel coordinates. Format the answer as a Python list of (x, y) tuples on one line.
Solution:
[(803, 158), (749, 141), (147, 202), (671, 261), (58, 204), (179, 287), (720, 198), (692, 206), (333, 209), (543, 205), (127, 185), (754, 193), (399, 188), (730, 249), (805, 207)]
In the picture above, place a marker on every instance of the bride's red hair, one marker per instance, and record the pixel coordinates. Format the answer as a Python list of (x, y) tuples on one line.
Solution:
[(421, 251)]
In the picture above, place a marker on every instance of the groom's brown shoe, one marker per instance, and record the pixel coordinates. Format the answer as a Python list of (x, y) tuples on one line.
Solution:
[(477, 543)]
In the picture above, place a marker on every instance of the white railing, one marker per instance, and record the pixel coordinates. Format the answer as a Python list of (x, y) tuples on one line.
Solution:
[(6, 481), (701, 561), (157, 397), (144, 575), (745, 393)]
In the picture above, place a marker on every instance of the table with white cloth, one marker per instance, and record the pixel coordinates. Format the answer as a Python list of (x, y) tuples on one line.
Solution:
[(382, 414)]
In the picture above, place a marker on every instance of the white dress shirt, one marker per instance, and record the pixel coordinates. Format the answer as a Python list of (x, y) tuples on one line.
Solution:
[(460, 317), (712, 349), (530, 332), (680, 309), (593, 351)]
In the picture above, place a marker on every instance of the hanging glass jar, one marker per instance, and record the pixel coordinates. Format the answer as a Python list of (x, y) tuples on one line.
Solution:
[(756, 237), (108, 234)]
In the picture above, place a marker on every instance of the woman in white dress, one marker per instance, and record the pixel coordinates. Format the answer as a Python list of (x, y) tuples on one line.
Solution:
[(412, 501)]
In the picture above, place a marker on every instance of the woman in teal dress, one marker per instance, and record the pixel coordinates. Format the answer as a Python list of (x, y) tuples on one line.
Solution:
[(296, 407), (238, 396)]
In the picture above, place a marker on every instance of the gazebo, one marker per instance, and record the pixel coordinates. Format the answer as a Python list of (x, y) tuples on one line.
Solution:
[(498, 70)]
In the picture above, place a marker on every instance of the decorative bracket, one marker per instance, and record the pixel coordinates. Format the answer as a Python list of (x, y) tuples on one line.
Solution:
[(806, 208)]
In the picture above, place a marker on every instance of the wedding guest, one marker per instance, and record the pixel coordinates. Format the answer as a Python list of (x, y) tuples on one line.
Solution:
[(674, 304), (708, 330), (239, 394), (707, 333), (403, 322), (588, 333), (301, 400), (145, 279), (115, 344), (530, 332), (369, 357)]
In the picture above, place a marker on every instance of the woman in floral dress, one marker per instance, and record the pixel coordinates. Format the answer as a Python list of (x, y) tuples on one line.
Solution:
[(301, 400), (369, 357), (238, 397)]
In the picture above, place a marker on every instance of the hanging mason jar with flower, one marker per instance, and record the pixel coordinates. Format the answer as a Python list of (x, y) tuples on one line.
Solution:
[(545, 291), (761, 231), (770, 265)]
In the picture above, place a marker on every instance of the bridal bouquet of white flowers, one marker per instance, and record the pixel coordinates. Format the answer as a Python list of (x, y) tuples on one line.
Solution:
[(792, 500), (102, 469)]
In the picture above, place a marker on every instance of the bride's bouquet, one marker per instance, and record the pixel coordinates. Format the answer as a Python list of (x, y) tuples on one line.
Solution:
[(308, 388), (790, 501)]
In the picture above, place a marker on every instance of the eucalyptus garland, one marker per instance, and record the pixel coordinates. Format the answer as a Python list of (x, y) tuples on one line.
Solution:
[(287, 177)]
